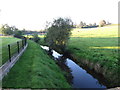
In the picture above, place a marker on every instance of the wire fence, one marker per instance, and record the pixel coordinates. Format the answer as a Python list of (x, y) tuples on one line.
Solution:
[(12, 50)]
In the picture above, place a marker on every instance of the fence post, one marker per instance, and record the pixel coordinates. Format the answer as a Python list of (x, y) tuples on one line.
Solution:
[(25, 41), (22, 43), (9, 52), (18, 47)]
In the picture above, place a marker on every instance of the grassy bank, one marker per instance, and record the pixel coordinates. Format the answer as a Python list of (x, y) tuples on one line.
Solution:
[(35, 69), (98, 48)]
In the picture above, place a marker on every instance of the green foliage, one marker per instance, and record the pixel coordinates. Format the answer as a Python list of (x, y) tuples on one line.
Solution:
[(35, 69), (6, 30), (36, 38), (58, 34), (81, 24), (18, 33)]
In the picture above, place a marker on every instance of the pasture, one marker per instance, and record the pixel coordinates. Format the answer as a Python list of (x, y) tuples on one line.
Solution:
[(108, 31), (30, 36), (99, 45), (5, 40), (4, 47)]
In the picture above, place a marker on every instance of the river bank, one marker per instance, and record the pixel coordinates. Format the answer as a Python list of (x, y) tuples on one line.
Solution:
[(107, 76), (111, 78), (104, 61), (79, 77), (35, 69)]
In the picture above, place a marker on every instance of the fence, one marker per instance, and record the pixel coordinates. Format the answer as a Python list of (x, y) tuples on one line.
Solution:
[(12, 50)]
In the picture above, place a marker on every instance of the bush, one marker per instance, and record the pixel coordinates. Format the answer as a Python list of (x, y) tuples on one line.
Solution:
[(36, 38)]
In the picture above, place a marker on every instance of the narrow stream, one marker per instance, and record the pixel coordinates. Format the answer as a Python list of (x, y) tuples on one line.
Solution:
[(81, 79)]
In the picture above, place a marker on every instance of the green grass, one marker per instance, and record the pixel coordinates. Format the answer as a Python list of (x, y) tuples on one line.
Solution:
[(8, 40), (98, 45), (108, 31), (30, 36), (35, 69), (4, 47), (85, 48)]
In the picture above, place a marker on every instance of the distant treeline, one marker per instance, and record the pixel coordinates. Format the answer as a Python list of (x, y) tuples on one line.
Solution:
[(12, 30), (94, 25)]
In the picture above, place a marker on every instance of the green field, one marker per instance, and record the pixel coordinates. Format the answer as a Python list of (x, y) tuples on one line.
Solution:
[(4, 47), (108, 31), (30, 36), (8, 40), (35, 69), (98, 45)]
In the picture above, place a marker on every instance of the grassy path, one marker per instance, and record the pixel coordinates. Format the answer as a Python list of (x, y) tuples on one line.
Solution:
[(35, 70)]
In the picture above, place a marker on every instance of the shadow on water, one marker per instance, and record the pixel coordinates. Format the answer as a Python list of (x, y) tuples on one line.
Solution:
[(79, 76)]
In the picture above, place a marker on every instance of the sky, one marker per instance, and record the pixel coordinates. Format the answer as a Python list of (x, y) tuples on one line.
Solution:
[(33, 14)]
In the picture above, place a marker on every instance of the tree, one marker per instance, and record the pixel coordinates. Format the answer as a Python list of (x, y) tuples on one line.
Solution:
[(18, 33), (81, 24), (2, 29), (84, 24), (102, 23), (6, 30), (94, 24), (90, 24), (58, 34), (36, 38)]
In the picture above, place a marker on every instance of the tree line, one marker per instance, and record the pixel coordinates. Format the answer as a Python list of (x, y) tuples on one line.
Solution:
[(10, 30), (84, 25), (13, 30)]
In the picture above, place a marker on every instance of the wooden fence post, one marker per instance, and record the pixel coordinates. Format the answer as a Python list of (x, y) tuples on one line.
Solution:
[(9, 52), (18, 47)]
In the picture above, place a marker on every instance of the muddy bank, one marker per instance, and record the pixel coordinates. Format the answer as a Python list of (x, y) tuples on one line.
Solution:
[(109, 78)]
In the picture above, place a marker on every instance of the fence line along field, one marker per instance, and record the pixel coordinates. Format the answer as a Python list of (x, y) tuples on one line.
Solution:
[(4, 47)]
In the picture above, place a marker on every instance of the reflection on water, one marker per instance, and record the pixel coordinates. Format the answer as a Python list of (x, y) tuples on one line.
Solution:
[(56, 55), (81, 79)]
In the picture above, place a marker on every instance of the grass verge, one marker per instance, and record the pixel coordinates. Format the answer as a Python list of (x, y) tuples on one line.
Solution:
[(35, 69)]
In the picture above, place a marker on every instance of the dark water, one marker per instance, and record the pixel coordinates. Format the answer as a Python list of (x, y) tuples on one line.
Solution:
[(81, 79)]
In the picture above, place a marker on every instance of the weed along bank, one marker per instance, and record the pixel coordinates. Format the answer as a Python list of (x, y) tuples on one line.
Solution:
[(81, 75)]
